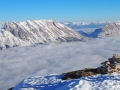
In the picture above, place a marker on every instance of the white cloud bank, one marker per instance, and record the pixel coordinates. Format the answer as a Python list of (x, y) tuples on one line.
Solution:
[(19, 63)]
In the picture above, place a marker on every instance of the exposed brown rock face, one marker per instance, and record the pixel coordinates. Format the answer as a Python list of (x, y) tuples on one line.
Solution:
[(80, 73)]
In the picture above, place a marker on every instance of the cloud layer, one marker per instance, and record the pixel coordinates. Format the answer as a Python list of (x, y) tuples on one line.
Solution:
[(19, 63)]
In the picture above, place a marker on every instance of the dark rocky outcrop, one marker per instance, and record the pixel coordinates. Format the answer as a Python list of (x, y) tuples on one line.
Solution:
[(79, 73), (10, 88), (110, 66)]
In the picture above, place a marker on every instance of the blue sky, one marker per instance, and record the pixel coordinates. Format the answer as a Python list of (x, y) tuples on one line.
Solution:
[(60, 10)]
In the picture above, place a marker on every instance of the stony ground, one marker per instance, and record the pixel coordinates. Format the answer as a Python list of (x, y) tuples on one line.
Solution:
[(80, 73)]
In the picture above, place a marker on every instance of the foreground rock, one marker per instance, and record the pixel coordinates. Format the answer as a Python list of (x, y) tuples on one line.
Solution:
[(79, 73), (113, 65), (106, 77), (110, 66)]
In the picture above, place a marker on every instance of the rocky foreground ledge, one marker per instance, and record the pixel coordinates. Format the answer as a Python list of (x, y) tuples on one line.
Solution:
[(110, 66), (93, 78)]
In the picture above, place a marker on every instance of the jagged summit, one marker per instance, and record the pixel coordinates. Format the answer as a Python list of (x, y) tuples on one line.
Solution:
[(35, 31)]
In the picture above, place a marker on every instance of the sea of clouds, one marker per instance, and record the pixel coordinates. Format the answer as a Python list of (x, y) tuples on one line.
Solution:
[(21, 62)]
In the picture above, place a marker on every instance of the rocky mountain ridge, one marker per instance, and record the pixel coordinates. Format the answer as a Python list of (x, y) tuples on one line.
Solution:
[(32, 32), (110, 29)]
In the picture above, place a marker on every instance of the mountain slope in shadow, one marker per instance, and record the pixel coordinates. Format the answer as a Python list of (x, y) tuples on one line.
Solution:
[(91, 35)]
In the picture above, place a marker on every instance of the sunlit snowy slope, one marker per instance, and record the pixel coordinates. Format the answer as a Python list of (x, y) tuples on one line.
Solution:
[(54, 82)]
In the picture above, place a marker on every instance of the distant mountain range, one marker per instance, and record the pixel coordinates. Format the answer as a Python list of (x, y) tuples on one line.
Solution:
[(32, 32), (104, 29), (80, 25)]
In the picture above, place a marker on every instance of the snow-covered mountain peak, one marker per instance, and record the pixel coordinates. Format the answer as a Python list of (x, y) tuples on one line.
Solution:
[(37, 31), (110, 29), (112, 23)]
